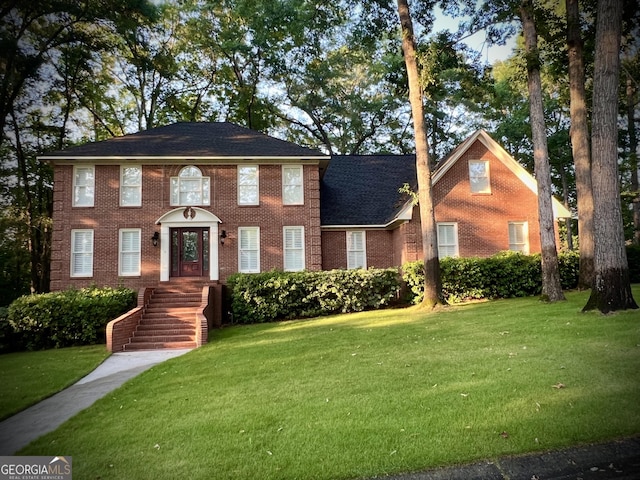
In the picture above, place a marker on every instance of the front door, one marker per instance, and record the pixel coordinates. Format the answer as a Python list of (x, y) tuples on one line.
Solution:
[(189, 252)]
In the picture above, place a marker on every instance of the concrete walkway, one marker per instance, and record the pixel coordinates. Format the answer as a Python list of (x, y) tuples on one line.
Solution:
[(21, 429)]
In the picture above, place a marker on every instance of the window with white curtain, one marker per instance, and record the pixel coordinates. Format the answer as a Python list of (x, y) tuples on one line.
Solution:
[(130, 185), (356, 249), (248, 185), (479, 176), (519, 237), (82, 253), (83, 186), (190, 187), (447, 240), (293, 249), (129, 256), (249, 249), (292, 185)]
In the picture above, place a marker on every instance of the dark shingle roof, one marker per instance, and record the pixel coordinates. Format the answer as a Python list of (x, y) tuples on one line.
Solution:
[(190, 139), (363, 189)]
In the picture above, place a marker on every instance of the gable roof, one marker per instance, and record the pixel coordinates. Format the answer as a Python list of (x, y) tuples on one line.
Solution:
[(205, 140), (362, 190)]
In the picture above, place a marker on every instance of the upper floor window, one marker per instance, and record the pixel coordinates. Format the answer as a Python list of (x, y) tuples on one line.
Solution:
[(82, 253), (129, 261), (83, 186), (356, 249), (447, 240), (479, 176), (248, 185), (130, 186), (519, 237), (249, 249), (293, 249), (292, 185), (190, 187)]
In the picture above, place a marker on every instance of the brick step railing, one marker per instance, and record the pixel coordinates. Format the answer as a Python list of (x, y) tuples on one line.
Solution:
[(169, 320)]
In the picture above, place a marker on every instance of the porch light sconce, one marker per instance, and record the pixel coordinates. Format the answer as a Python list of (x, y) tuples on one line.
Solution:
[(223, 235), (155, 238)]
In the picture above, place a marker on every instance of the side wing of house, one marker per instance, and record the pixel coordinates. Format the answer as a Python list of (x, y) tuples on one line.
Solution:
[(485, 202), (186, 200)]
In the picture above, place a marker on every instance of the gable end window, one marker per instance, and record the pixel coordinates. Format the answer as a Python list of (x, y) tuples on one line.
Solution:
[(292, 185), (130, 186), (83, 186), (293, 249), (479, 176), (519, 237), (249, 249), (356, 249), (248, 185), (129, 258), (81, 253), (190, 188)]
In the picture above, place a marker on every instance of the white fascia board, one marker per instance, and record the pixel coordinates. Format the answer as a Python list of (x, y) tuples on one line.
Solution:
[(173, 159)]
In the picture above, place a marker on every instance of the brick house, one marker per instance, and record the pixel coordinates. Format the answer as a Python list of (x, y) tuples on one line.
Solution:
[(191, 203)]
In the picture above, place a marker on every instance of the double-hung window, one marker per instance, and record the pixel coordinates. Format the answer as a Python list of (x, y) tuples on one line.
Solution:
[(447, 240), (130, 186), (129, 258), (248, 185), (83, 186), (82, 253), (293, 249), (356, 249), (292, 185), (479, 176), (190, 187), (519, 237), (249, 249)]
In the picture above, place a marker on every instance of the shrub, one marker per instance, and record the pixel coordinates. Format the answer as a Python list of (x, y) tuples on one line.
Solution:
[(504, 275), (633, 258), (68, 318), (265, 297)]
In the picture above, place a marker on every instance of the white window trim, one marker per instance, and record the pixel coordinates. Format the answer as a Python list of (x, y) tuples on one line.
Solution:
[(121, 252), (284, 249), (364, 249), (123, 186), (456, 245), (257, 185), (206, 199), (525, 233), (301, 184), (487, 169), (86, 274), (75, 186), (240, 250)]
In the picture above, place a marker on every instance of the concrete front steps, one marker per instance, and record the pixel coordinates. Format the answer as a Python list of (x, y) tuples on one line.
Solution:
[(169, 320)]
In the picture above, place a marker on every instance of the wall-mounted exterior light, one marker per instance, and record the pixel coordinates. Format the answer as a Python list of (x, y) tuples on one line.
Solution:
[(223, 235), (155, 239)]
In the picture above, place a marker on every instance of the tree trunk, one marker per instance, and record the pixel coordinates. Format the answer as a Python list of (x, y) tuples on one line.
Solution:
[(551, 286), (611, 289), (633, 160), (432, 286), (580, 145)]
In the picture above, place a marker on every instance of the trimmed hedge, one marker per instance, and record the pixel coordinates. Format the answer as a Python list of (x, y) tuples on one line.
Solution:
[(504, 275), (67, 318), (265, 297)]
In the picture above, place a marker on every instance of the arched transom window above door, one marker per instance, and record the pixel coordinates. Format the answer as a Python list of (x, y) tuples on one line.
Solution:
[(190, 187)]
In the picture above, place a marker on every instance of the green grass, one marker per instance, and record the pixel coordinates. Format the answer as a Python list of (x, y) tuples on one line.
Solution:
[(359, 395), (28, 377)]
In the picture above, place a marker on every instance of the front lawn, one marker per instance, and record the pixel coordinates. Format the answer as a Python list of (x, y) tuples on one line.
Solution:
[(28, 377), (359, 395)]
